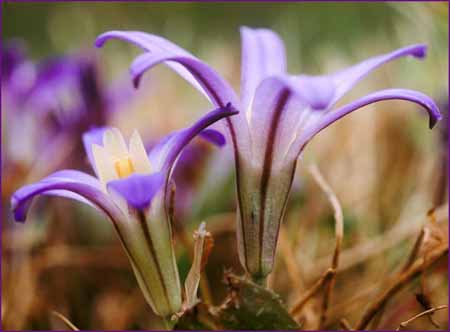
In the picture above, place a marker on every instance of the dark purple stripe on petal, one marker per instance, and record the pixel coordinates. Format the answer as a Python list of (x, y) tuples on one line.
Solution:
[(148, 239), (237, 163), (294, 166), (268, 158), (75, 185)]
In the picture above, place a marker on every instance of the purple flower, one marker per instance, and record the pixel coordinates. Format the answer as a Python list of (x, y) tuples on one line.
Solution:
[(130, 187), (54, 101), (68, 89), (13, 55), (280, 114), (18, 72)]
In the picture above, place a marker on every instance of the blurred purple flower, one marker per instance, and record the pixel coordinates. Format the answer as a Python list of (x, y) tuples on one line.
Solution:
[(18, 72), (131, 188), (12, 57), (54, 102), (280, 114)]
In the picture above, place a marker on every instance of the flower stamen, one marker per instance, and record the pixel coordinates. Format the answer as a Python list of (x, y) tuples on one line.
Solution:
[(124, 167)]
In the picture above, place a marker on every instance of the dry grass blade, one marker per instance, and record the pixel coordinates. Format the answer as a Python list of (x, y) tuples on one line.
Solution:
[(401, 281), (293, 269), (339, 234), (415, 251), (297, 308), (66, 321), (202, 249), (185, 239), (423, 313), (345, 324), (403, 229)]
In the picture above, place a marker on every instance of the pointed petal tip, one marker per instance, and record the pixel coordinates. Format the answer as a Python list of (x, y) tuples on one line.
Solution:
[(104, 37), (100, 40), (231, 109), (18, 214), (419, 51), (136, 79), (434, 119)]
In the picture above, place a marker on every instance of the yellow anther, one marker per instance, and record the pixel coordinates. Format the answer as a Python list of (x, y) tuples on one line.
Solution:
[(124, 167)]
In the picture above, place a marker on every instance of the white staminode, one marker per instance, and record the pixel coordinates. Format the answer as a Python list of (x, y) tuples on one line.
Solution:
[(114, 160)]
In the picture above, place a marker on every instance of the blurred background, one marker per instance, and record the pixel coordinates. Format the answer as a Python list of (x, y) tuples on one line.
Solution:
[(384, 164)]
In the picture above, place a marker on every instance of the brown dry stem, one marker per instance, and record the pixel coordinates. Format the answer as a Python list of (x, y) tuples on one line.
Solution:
[(186, 240), (339, 234), (293, 269), (423, 313), (403, 229), (297, 308), (345, 324), (415, 251), (65, 320), (403, 279)]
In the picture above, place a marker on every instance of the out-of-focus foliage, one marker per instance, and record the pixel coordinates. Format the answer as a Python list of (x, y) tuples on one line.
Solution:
[(385, 166)]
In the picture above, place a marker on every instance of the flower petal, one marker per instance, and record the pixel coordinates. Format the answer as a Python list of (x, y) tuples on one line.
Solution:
[(198, 73), (164, 155), (347, 78), (263, 55), (213, 136), (138, 154), (114, 143), (93, 136), (217, 89), (390, 94), (146, 41), (274, 119), (104, 164), (324, 91), (152, 44), (68, 183), (137, 189), (317, 91)]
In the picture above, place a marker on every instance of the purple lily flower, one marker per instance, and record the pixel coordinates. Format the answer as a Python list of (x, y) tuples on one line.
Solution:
[(131, 189), (280, 114)]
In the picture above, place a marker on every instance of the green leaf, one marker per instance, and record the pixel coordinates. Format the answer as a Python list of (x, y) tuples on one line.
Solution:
[(250, 306)]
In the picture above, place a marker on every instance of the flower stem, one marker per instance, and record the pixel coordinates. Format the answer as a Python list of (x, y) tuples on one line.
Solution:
[(167, 323), (260, 280)]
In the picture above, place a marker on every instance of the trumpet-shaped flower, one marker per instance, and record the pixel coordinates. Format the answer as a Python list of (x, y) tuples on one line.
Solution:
[(280, 114), (130, 187)]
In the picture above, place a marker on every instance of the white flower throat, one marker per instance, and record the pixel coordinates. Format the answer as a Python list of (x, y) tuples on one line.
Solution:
[(114, 160)]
